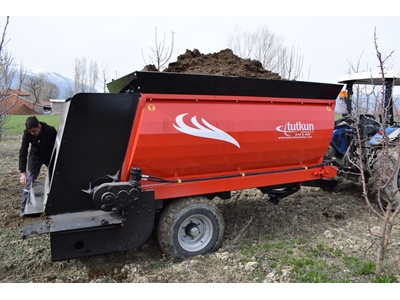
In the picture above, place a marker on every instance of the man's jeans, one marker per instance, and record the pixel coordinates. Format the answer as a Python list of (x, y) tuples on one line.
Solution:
[(30, 178)]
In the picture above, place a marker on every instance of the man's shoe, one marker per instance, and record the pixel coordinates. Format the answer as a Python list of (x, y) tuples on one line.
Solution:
[(22, 212)]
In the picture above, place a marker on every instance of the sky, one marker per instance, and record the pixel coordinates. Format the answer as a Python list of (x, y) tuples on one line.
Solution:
[(118, 36)]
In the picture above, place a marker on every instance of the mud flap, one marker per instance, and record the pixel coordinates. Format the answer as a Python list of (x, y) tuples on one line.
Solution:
[(131, 234)]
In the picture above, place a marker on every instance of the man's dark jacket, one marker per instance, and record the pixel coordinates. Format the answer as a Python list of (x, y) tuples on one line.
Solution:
[(41, 148)]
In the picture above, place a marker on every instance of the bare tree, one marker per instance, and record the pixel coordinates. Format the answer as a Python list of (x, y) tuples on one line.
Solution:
[(268, 48), (69, 92), (161, 53), (6, 77), (373, 159), (104, 78), (80, 79), (93, 76), (21, 75), (292, 65), (50, 91), (359, 91), (34, 85), (7, 72), (85, 80), (40, 88), (384, 173), (261, 44), (365, 96)]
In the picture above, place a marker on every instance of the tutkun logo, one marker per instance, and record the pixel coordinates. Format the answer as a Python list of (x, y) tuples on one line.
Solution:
[(209, 132), (296, 130)]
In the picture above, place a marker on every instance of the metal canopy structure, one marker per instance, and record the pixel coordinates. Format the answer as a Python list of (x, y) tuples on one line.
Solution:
[(372, 78), (391, 78)]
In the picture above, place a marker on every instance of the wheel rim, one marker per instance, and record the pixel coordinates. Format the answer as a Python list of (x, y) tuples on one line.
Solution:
[(195, 233)]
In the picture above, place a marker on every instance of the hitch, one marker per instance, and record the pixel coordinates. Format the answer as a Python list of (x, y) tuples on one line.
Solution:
[(276, 194), (324, 173)]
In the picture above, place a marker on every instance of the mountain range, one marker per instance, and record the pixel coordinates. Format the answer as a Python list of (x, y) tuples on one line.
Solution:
[(63, 83)]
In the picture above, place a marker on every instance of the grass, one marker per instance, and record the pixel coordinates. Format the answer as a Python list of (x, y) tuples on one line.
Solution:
[(16, 123), (311, 263), (386, 279)]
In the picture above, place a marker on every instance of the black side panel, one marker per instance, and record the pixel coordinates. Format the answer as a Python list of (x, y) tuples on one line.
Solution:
[(133, 233), (180, 83), (93, 144)]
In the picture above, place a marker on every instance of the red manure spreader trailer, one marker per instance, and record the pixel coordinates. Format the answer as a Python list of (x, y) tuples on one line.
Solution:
[(166, 144)]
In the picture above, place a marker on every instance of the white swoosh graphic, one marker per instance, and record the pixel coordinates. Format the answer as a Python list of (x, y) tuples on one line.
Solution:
[(211, 132)]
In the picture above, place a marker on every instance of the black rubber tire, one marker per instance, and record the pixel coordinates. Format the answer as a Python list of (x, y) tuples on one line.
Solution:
[(381, 174), (197, 213)]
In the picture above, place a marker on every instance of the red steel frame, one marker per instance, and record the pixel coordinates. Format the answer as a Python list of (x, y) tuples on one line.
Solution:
[(160, 150)]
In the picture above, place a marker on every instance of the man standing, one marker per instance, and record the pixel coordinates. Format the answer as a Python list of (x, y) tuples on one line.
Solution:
[(41, 137)]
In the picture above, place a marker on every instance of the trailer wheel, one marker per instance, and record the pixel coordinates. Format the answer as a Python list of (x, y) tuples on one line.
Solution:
[(381, 174), (189, 227)]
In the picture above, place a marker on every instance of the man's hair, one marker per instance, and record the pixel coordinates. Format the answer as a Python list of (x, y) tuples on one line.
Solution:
[(32, 122)]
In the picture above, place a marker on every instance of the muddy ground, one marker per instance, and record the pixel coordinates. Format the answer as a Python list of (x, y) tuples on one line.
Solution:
[(303, 223)]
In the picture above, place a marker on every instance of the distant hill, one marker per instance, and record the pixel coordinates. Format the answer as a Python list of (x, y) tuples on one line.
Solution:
[(62, 82)]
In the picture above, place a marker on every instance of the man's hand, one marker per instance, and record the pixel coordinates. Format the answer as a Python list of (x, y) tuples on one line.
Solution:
[(22, 179)]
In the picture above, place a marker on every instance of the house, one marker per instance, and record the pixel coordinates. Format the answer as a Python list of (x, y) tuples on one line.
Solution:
[(44, 107), (19, 103), (17, 100), (57, 106)]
